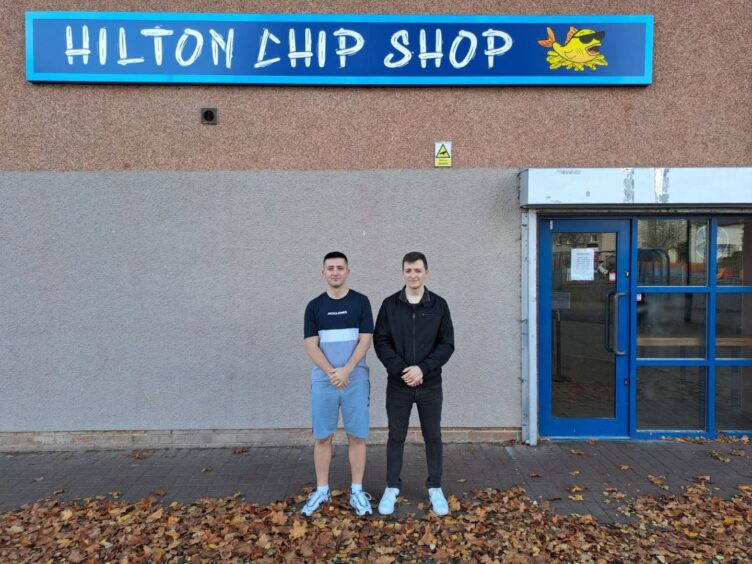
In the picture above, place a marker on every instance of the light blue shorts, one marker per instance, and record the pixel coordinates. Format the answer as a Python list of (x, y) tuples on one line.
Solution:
[(326, 401)]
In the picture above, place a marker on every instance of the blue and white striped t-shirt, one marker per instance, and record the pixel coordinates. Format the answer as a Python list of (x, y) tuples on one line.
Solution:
[(338, 324)]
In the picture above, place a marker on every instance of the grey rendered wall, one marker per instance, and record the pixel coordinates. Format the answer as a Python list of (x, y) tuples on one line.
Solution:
[(161, 300)]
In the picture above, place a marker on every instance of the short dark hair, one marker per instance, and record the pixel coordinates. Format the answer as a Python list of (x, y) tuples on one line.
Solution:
[(415, 256), (335, 255)]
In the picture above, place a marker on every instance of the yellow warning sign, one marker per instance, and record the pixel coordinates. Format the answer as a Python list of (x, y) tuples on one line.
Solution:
[(442, 153)]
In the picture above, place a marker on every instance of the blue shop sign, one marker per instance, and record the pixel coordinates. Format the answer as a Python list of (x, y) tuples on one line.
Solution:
[(337, 49)]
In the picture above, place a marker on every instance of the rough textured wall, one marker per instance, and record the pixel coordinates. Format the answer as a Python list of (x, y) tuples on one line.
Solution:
[(175, 300), (698, 112)]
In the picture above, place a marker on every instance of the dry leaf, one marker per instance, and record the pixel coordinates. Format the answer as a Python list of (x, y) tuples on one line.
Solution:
[(454, 503), (298, 529), (718, 456), (623, 466), (576, 452), (158, 492)]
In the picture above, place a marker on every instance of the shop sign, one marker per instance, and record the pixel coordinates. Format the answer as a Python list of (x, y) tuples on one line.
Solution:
[(361, 49)]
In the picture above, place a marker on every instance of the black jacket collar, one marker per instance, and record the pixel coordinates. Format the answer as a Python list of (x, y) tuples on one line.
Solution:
[(424, 301)]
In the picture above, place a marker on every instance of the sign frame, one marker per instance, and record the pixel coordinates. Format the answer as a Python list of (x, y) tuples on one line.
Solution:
[(557, 77)]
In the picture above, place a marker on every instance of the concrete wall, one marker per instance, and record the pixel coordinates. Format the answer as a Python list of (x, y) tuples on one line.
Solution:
[(166, 300)]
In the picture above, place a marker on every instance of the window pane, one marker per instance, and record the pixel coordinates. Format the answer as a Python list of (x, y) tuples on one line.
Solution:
[(671, 325), (733, 325), (671, 252), (734, 250), (733, 398), (671, 398), (583, 381)]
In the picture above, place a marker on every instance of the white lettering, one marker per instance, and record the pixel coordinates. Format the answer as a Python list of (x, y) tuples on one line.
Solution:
[(219, 42), (157, 33), (188, 32), (294, 54), (493, 51), (70, 51), (322, 49), (398, 36), (344, 51), (425, 54), (462, 34), (102, 45), (265, 37), (123, 50)]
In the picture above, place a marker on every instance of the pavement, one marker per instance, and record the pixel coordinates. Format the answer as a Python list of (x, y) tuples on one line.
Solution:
[(265, 474)]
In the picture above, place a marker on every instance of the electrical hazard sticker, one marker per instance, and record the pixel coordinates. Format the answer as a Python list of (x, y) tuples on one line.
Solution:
[(442, 154)]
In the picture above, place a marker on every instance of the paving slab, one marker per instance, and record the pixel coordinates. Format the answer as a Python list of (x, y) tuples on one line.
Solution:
[(549, 472)]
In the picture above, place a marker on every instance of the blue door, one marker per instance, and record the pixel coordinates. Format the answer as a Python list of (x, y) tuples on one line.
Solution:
[(583, 327)]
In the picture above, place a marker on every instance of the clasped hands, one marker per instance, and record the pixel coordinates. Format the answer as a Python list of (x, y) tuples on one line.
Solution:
[(412, 376), (339, 377)]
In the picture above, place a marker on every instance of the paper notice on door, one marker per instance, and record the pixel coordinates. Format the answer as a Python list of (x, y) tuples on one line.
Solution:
[(582, 266)]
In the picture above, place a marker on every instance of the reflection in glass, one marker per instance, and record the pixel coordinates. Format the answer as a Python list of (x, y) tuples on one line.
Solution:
[(583, 378), (671, 325), (671, 252), (734, 250), (733, 326), (671, 398), (733, 398)]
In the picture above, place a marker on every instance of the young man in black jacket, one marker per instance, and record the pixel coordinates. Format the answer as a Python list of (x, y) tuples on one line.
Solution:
[(413, 339)]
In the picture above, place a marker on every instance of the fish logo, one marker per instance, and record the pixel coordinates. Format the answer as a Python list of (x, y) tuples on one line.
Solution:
[(581, 49)]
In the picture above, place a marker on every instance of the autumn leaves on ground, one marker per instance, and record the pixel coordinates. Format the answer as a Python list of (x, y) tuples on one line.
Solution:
[(485, 526)]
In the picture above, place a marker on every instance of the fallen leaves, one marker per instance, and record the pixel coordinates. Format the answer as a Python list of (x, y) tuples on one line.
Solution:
[(659, 481), (487, 525), (298, 529), (718, 456)]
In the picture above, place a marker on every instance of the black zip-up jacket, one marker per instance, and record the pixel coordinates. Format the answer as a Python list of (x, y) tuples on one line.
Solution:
[(407, 335)]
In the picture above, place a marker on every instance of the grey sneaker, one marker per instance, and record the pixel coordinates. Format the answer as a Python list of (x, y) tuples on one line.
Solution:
[(360, 501), (388, 501), (315, 500)]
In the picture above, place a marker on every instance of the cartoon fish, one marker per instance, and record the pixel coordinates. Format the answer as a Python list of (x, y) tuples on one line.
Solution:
[(581, 49)]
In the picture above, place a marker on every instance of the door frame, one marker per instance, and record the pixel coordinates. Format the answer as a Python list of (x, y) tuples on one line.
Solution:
[(619, 427)]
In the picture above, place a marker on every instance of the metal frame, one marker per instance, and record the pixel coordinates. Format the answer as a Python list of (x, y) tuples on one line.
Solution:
[(711, 289), (618, 427)]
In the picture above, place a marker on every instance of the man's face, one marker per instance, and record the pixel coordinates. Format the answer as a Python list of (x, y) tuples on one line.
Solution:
[(415, 274), (336, 272)]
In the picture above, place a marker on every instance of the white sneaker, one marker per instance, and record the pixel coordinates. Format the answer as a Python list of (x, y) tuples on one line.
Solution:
[(360, 501), (438, 501), (388, 501), (315, 500)]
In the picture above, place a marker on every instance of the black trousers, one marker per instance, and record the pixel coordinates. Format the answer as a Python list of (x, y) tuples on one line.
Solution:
[(399, 404)]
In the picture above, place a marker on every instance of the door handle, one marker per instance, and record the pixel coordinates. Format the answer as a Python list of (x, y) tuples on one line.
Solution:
[(616, 297), (607, 330)]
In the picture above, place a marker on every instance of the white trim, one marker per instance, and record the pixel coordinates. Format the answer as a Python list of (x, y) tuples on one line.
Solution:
[(620, 187), (529, 329)]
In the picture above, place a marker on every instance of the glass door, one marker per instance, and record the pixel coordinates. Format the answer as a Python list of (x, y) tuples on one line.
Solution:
[(584, 327)]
